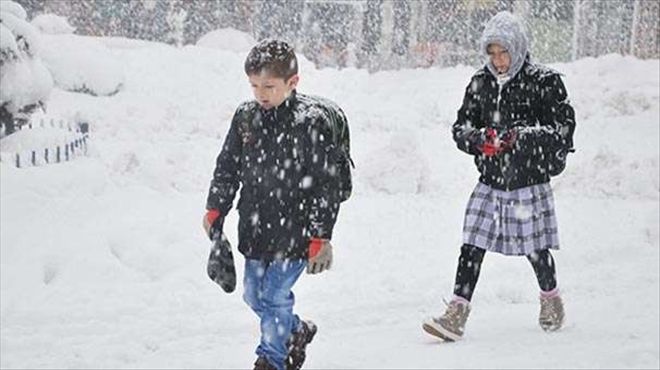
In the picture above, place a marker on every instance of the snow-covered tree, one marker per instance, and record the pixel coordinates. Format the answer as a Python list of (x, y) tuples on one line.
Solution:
[(25, 83), (378, 34)]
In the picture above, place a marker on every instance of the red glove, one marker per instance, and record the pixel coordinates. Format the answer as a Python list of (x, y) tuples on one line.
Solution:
[(315, 247), (492, 145), (490, 149), (319, 256), (212, 215), (495, 144), (209, 220)]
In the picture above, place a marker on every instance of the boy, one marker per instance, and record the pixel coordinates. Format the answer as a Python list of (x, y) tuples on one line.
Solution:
[(280, 148), (517, 123)]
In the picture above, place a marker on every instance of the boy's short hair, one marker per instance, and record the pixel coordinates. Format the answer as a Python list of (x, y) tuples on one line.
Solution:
[(274, 57)]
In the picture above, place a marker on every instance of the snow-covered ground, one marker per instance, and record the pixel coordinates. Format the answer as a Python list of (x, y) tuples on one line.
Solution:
[(103, 258)]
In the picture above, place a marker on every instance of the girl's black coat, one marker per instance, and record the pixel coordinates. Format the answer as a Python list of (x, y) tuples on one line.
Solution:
[(533, 103)]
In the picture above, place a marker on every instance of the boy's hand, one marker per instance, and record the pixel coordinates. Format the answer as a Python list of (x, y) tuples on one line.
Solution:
[(319, 256), (212, 223)]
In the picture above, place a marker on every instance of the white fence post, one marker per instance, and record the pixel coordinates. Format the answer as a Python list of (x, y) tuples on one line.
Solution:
[(576, 28)]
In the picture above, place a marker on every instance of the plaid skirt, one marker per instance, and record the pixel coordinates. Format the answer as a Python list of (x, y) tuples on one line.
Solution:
[(516, 222)]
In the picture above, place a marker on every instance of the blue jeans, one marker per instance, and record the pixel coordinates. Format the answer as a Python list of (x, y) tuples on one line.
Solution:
[(268, 292)]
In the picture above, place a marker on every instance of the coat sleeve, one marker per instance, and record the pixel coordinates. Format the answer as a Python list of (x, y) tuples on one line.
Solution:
[(322, 178), (556, 121), (466, 130), (226, 176)]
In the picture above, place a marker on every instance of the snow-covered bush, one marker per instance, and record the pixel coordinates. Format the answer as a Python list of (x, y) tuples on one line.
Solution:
[(82, 64), (227, 39), (52, 24), (25, 83)]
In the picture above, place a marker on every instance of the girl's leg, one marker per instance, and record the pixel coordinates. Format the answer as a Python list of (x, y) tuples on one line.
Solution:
[(451, 324), (551, 316), (544, 268), (467, 272)]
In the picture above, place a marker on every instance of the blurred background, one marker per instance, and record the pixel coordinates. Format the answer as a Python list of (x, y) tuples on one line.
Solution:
[(377, 34)]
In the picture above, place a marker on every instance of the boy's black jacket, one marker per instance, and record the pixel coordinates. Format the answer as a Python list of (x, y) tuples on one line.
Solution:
[(534, 101), (284, 159)]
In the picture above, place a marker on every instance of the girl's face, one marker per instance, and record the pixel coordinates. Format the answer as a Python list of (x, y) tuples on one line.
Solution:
[(500, 58)]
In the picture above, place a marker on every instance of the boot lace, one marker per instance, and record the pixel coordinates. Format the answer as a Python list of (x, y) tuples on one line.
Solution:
[(453, 312)]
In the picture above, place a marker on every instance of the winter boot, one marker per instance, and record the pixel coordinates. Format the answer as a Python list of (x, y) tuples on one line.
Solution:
[(263, 364), (551, 317), (298, 344), (449, 327)]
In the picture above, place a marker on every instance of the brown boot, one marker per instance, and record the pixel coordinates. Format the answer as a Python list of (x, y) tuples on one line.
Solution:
[(450, 326), (298, 345), (263, 364), (551, 316)]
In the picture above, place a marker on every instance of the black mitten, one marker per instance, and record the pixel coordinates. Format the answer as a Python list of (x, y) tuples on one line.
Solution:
[(220, 267)]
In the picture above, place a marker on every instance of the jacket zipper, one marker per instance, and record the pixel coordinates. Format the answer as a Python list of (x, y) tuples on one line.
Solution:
[(500, 87)]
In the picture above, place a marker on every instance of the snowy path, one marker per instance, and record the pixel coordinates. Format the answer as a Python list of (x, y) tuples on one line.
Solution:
[(112, 306)]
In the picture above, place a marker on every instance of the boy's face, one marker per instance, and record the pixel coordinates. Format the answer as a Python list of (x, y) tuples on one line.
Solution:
[(271, 91), (500, 58)]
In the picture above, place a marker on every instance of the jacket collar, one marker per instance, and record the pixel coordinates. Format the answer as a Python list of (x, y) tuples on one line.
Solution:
[(517, 75), (279, 111)]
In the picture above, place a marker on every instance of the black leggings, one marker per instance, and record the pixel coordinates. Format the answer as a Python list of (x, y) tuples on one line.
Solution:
[(469, 266)]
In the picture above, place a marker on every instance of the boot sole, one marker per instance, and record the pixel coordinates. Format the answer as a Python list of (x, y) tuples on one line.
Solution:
[(440, 332), (549, 326), (311, 334)]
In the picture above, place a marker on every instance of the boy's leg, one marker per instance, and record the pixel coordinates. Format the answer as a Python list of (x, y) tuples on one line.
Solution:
[(467, 271), (252, 284), (277, 317), (544, 268)]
